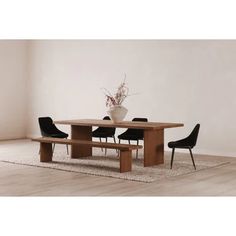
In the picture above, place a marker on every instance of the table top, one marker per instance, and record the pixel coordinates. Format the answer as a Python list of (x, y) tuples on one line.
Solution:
[(122, 124)]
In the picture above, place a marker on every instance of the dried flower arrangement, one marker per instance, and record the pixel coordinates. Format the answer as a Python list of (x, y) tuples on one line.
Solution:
[(119, 97)]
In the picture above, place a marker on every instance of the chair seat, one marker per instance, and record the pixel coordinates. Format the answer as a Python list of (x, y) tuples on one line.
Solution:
[(125, 136), (59, 135), (104, 132), (178, 144), (182, 143), (133, 134), (97, 134)]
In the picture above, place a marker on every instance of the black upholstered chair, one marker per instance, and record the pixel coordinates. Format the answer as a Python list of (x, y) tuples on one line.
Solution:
[(133, 134), (104, 132), (48, 129), (186, 143)]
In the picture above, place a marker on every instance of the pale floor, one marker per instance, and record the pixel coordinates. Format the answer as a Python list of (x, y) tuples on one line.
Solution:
[(19, 180)]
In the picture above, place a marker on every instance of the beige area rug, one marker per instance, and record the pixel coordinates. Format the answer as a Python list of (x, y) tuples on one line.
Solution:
[(26, 153)]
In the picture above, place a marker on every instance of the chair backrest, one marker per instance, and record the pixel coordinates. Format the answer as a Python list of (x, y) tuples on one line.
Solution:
[(140, 119), (106, 118), (109, 130), (192, 138), (137, 132), (46, 126)]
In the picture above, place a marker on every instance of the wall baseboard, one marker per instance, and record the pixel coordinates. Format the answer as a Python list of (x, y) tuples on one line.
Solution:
[(13, 138)]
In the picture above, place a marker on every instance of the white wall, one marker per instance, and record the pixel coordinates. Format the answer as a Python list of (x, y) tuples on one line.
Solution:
[(176, 81), (13, 77)]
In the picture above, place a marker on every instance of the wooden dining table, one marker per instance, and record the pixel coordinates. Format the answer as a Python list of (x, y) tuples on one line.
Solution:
[(81, 129)]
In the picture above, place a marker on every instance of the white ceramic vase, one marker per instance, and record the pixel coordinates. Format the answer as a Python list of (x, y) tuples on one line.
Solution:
[(117, 113)]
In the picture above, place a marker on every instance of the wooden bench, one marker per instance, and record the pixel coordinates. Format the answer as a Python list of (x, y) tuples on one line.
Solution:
[(125, 149)]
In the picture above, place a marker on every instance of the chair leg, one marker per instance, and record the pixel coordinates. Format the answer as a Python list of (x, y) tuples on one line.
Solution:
[(172, 158), (137, 151), (129, 142), (118, 150), (106, 148), (67, 149), (100, 142), (53, 148), (115, 142), (190, 150)]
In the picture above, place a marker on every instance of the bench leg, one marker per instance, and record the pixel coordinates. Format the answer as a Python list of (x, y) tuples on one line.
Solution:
[(125, 161), (45, 152)]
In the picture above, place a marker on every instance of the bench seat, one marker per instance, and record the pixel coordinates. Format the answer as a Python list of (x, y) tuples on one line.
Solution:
[(125, 149)]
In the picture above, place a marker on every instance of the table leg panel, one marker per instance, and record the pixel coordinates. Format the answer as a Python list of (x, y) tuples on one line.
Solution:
[(81, 133), (153, 147)]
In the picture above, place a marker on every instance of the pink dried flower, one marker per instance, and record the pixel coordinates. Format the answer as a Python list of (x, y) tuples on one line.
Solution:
[(119, 97)]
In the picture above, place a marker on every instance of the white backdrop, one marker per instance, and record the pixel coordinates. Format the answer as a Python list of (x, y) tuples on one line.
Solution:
[(176, 81)]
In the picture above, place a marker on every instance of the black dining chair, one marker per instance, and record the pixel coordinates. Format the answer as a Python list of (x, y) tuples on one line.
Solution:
[(186, 143), (104, 132), (133, 134), (48, 129)]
